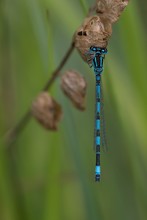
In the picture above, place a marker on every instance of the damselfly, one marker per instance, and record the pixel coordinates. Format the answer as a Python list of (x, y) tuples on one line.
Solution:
[(96, 56)]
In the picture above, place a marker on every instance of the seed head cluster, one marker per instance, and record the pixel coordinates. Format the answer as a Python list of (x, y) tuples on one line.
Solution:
[(96, 30)]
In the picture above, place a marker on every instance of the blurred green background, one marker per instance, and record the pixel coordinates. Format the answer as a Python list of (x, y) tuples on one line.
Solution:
[(47, 175)]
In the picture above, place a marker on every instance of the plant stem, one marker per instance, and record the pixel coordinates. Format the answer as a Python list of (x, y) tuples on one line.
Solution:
[(14, 132)]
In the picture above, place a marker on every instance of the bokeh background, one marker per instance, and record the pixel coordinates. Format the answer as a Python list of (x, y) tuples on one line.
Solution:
[(50, 175)]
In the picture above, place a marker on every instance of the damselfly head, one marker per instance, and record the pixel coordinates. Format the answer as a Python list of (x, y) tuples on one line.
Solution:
[(74, 87), (46, 111)]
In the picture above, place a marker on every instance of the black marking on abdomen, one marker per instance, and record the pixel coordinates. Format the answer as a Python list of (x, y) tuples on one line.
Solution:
[(98, 133), (98, 116), (97, 159), (98, 99), (98, 148)]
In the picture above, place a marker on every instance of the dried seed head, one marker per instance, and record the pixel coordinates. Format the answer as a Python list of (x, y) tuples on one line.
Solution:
[(110, 10), (96, 30), (74, 86), (93, 32), (46, 111)]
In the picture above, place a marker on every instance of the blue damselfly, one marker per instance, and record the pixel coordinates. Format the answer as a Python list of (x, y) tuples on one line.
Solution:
[(96, 56)]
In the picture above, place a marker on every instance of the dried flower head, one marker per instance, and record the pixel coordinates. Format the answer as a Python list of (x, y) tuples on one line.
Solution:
[(93, 32), (110, 10), (46, 111), (74, 86), (96, 30)]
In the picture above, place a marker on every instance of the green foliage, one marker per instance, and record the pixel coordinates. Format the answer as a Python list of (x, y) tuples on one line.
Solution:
[(47, 175)]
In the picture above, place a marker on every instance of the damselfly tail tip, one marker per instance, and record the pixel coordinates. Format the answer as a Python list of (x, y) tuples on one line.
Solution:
[(97, 178), (97, 173)]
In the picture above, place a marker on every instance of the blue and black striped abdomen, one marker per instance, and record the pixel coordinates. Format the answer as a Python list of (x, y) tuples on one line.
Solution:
[(97, 129)]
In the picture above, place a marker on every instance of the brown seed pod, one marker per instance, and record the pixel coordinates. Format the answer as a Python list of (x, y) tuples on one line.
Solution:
[(46, 111), (110, 10), (93, 32), (96, 30), (74, 87)]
